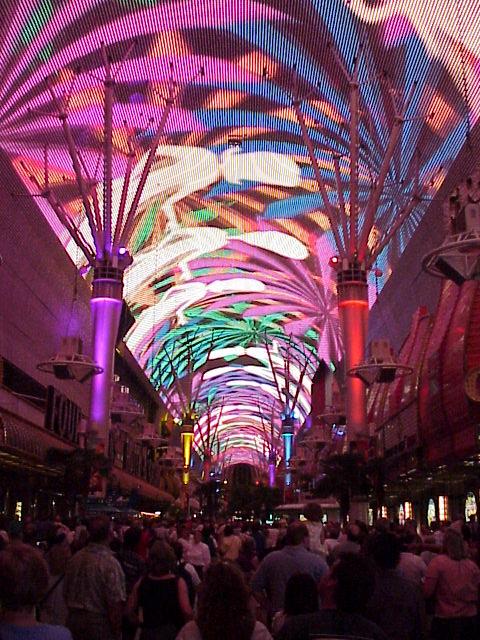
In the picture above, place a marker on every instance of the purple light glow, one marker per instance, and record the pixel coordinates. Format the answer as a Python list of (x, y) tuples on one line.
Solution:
[(271, 475), (105, 320), (396, 29)]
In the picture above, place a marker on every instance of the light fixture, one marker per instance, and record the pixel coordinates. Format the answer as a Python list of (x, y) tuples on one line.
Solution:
[(381, 367), (458, 257), (70, 363), (334, 262)]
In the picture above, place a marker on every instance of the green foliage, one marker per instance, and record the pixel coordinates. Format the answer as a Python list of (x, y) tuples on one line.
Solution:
[(257, 498)]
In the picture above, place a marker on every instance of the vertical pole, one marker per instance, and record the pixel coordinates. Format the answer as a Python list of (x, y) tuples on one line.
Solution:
[(288, 429), (272, 464), (106, 307), (107, 155), (352, 293), (186, 436)]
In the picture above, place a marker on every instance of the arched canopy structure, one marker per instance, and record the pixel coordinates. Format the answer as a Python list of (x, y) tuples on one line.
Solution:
[(231, 239)]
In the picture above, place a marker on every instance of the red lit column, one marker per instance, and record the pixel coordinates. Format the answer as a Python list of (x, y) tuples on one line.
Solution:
[(352, 293)]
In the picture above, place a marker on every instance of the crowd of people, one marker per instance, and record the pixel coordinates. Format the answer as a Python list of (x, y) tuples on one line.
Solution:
[(215, 579)]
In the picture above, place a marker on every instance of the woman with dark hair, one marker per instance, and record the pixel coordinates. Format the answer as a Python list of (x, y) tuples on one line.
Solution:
[(247, 558), (453, 581), (301, 596), (159, 601), (223, 608), (23, 583), (346, 592)]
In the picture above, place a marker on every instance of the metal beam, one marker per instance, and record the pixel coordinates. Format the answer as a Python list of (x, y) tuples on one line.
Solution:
[(318, 177), (170, 101), (374, 199), (62, 116), (109, 84)]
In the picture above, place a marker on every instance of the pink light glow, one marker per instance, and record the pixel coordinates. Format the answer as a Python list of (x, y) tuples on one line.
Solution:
[(396, 29), (105, 317)]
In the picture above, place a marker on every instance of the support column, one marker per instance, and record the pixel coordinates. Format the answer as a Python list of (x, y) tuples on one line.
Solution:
[(207, 464), (352, 290), (272, 467), (186, 435), (288, 429), (106, 308)]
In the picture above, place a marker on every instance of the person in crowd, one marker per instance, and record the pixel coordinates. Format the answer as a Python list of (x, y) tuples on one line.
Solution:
[(4, 537), (396, 604), (134, 567), (382, 525), (132, 563), (282, 533), (15, 532), (80, 536), (52, 608), (453, 581), (316, 535), (198, 553), (247, 558), (223, 608), (474, 527), (270, 580), (347, 589), (411, 565), (23, 583), (471, 546), (230, 544), (301, 596), (161, 530), (159, 601), (185, 539), (260, 539), (208, 536), (271, 538), (351, 544), (94, 587), (332, 532), (146, 538), (437, 533), (29, 531), (62, 528), (186, 571)]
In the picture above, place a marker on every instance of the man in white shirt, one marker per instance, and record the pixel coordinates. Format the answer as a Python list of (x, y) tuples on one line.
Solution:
[(198, 553), (411, 566)]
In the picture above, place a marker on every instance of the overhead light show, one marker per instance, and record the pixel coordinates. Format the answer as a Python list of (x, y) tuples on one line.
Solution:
[(230, 242)]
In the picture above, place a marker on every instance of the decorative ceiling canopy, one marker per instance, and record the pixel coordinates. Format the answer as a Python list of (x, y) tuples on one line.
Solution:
[(230, 240)]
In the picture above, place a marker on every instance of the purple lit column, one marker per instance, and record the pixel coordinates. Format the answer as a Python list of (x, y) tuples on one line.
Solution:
[(272, 466), (106, 307)]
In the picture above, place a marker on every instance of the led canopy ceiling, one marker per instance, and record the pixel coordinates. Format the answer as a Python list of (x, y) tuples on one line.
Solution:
[(230, 242)]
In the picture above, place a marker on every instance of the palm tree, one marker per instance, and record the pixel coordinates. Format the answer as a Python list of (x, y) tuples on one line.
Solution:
[(345, 476)]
